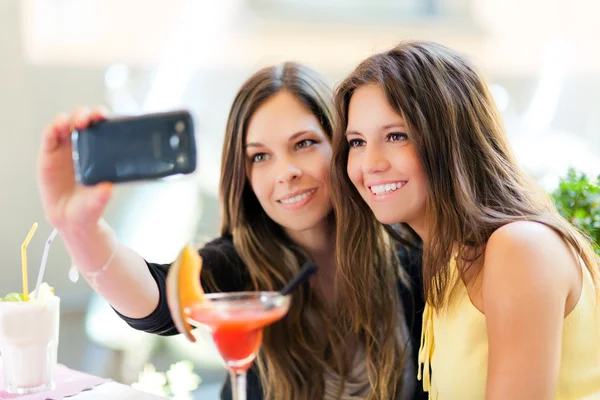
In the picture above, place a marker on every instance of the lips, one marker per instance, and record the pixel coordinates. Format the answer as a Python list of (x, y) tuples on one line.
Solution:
[(297, 196), (386, 188)]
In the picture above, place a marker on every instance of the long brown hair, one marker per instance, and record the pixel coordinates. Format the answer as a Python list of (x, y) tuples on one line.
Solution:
[(297, 350), (475, 185)]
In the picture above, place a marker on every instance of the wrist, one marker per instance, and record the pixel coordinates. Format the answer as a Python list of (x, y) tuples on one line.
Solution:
[(90, 248), (89, 233), (94, 275)]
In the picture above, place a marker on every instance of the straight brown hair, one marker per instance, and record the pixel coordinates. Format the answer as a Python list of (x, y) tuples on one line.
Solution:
[(296, 350), (475, 184)]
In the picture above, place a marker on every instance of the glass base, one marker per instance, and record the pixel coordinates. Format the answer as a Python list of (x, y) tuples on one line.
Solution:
[(13, 389)]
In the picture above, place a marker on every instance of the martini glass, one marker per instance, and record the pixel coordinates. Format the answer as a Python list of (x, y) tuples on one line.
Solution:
[(236, 321)]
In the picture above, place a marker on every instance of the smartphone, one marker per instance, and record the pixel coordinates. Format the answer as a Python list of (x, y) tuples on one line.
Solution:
[(135, 148)]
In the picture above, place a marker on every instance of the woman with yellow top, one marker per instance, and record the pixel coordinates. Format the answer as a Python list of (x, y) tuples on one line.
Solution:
[(512, 288)]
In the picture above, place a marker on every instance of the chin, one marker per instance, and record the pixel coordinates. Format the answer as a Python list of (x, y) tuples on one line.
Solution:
[(303, 223), (388, 218), (298, 227)]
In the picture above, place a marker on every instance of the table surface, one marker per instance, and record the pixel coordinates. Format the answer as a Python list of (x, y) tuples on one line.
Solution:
[(114, 391), (77, 385)]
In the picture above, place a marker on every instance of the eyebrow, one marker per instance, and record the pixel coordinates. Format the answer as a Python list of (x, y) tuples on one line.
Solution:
[(294, 136), (400, 125)]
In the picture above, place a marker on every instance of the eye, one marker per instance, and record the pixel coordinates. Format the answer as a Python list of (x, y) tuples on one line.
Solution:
[(259, 157), (397, 137), (305, 143), (356, 143)]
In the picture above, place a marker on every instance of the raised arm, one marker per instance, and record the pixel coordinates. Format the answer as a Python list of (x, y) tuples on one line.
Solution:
[(116, 272)]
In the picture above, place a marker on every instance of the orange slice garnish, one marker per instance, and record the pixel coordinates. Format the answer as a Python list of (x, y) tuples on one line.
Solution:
[(184, 288)]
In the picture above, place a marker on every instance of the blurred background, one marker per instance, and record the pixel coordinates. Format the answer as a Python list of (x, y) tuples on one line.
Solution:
[(137, 56)]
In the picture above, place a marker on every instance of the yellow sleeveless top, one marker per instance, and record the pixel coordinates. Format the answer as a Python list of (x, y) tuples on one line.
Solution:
[(454, 343)]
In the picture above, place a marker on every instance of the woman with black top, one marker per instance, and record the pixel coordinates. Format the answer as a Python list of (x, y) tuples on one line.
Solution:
[(276, 214)]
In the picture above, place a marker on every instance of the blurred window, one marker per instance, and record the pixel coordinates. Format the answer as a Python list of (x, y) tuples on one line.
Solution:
[(360, 10)]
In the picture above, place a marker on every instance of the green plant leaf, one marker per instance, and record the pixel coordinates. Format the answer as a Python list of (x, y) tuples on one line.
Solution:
[(577, 199)]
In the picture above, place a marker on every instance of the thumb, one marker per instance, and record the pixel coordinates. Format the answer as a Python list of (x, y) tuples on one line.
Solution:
[(103, 192)]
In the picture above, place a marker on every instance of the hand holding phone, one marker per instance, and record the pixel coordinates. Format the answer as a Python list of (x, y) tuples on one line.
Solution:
[(134, 148), (68, 206), (73, 207)]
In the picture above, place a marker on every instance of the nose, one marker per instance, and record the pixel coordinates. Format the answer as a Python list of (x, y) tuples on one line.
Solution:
[(375, 160), (288, 172)]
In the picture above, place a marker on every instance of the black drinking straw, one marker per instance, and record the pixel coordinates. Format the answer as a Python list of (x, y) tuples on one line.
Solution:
[(305, 272)]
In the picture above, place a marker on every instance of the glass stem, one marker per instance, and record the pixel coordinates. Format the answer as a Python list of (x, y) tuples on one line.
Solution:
[(238, 384)]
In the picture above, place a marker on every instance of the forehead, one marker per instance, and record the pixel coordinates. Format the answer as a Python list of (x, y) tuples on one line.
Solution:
[(280, 117), (369, 109)]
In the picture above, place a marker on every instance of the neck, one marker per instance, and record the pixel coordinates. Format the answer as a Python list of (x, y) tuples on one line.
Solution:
[(420, 228), (318, 242)]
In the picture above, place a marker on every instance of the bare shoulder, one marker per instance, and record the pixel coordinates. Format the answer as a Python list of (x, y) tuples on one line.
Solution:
[(529, 258), (533, 242), (525, 233)]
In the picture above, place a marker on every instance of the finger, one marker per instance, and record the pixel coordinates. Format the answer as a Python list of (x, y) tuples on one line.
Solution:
[(56, 133), (80, 118), (103, 193), (99, 113)]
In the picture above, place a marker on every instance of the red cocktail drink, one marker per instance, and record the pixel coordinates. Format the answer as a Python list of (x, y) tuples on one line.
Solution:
[(236, 321)]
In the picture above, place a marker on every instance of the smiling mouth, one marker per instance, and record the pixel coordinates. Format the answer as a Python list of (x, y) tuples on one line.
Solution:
[(297, 198), (387, 188)]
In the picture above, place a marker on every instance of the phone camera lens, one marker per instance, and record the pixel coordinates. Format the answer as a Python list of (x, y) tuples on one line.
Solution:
[(174, 142), (179, 126)]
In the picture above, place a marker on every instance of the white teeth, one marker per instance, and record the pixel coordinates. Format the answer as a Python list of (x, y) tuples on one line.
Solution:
[(296, 199), (386, 188)]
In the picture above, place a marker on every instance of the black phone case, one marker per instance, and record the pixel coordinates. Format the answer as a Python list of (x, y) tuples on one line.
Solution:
[(135, 148)]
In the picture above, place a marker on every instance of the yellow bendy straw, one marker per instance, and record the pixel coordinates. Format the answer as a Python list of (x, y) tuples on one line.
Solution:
[(24, 260)]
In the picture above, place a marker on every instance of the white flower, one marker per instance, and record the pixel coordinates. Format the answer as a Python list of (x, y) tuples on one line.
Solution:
[(182, 380), (150, 381)]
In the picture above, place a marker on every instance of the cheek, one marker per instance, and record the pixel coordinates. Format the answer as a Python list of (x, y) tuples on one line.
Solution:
[(354, 169), (418, 174), (259, 186), (324, 167), (317, 167)]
